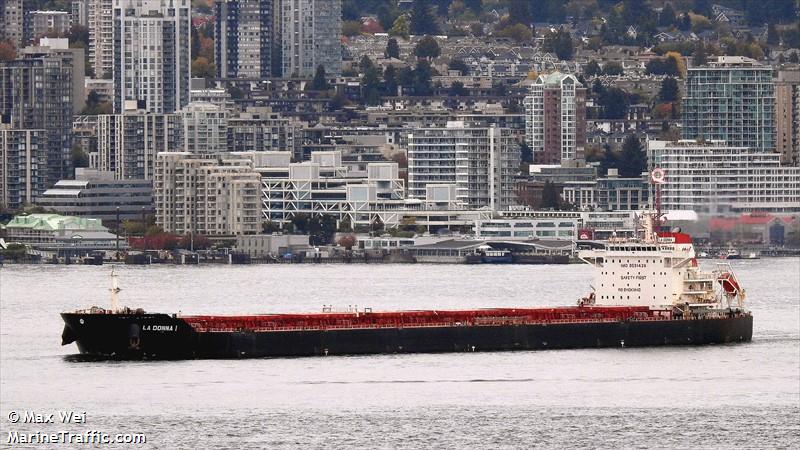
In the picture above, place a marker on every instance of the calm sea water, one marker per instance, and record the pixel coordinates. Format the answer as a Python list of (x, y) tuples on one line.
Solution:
[(744, 395)]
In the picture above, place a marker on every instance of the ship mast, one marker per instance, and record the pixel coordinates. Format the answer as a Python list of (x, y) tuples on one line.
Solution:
[(114, 291), (657, 178)]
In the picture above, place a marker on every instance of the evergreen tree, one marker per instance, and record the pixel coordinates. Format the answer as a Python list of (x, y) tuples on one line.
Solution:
[(614, 103), (320, 82), (560, 43), (526, 153), (400, 27), (632, 160), (519, 12), (667, 17), (613, 68), (421, 80), (370, 86), (392, 49), (428, 48), (457, 89), (685, 22), (592, 69), (365, 64), (423, 19), (390, 81), (474, 5), (459, 65), (772, 35), (669, 90), (550, 196), (609, 161), (700, 58)]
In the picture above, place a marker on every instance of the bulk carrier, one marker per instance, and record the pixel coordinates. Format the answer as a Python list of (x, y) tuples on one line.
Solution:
[(648, 291)]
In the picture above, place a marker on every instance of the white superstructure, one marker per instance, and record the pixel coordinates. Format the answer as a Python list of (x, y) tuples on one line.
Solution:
[(658, 270)]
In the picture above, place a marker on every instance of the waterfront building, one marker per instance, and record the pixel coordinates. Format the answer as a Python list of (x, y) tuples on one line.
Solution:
[(205, 128), (325, 186), (555, 118), (787, 116), (101, 37), (731, 99), (372, 197), (40, 23), (531, 228), (310, 33), (480, 161), (716, 178), (243, 38), (127, 143), (152, 64), (61, 234), (262, 245), (592, 224), (97, 194), (42, 89), (23, 163), (211, 195), (11, 22)]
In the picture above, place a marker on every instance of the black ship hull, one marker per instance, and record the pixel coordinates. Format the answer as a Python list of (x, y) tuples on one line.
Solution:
[(161, 336)]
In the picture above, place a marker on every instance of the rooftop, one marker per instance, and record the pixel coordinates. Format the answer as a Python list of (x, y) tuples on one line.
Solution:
[(53, 222)]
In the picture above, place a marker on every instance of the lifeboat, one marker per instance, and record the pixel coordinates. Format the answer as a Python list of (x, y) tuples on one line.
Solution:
[(729, 283)]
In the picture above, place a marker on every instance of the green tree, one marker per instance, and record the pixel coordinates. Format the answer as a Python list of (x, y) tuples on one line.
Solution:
[(632, 159), (423, 18), (421, 79), (772, 35), (613, 68), (518, 32), (459, 65), (392, 49), (400, 27), (560, 43), (390, 81), (700, 58), (370, 86), (320, 229), (15, 252), (592, 68), (79, 157), (669, 90), (526, 153), (667, 17), (550, 196), (387, 14), (428, 48), (457, 89), (320, 81), (519, 11), (365, 64), (614, 103)]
